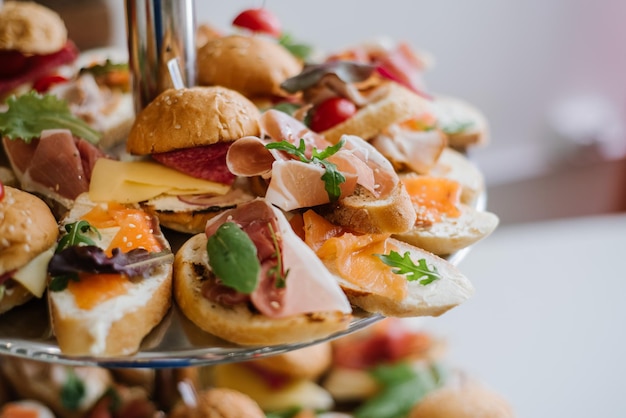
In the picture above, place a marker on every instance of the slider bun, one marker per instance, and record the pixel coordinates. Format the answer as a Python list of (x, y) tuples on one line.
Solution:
[(397, 104), (305, 363), (219, 403), (31, 28), (27, 228), (192, 117), (469, 400), (252, 65), (238, 323)]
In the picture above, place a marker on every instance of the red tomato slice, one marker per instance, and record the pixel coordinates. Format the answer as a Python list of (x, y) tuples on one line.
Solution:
[(1, 191), (331, 112), (259, 20), (44, 83)]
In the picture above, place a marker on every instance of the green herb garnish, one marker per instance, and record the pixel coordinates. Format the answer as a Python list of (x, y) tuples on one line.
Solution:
[(297, 49), (77, 235), (332, 177), (103, 69), (32, 113), (277, 270), (404, 265), (72, 391), (233, 258), (402, 387), (456, 126)]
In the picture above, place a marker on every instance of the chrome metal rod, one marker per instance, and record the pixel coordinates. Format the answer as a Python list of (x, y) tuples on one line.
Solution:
[(159, 30)]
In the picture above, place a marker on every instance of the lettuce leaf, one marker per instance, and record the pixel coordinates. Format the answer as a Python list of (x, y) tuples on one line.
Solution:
[(31, 113)]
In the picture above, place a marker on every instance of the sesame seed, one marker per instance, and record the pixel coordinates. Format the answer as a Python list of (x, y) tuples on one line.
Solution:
[(138, 236), (129, 244)]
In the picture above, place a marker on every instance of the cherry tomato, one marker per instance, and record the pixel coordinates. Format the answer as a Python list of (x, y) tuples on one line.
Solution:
[(331, 112), (259, 20), (44, 83), (1, 191)]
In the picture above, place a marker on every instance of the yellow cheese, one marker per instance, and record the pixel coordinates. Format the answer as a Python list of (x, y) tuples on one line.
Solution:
[(297, 392), (34, 274), (138, 181)]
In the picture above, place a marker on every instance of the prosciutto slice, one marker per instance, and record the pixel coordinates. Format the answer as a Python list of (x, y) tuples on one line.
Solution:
[(309, 286), (57, 165)]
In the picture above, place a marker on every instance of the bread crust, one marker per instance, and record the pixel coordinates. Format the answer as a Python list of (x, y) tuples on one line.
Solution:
[(31, 28), (364, 213), (27, 228), (238, 323), (397, 104), (77, 335), (192, 117), (467, 400), (219, 403), (252, 65), (305, 363)]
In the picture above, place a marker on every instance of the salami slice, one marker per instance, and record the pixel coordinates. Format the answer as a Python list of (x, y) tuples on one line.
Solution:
[(206, 162)]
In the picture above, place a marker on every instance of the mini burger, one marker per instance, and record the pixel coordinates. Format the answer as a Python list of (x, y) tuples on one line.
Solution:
[(186, 133), (33, 45), (252, 65), (28, 233)]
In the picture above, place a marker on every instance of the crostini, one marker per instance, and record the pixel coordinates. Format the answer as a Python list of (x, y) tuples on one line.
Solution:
[(110, 279), (251, 280)]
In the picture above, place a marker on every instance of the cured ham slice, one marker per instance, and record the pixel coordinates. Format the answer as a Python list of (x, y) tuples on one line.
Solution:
[(309, 286), (56, 165)]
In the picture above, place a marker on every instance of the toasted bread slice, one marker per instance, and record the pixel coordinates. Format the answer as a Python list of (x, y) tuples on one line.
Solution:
[(464, 124), (116, 324), (364, 213), (397, 104), (452, 234), (240, 323)]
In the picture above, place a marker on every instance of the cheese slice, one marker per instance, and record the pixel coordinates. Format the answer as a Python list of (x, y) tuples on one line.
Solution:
[(34, 274), (138, 181)]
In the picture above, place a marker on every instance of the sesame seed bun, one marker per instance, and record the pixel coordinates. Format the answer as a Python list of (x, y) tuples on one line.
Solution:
[(192, 117), (30, 28), (27, 228), (467, 400), (252, 65)]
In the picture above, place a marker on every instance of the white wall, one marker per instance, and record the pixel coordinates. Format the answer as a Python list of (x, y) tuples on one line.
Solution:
[(517, 60)]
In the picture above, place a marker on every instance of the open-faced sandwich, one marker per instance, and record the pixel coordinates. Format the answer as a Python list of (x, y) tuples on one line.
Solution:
[(110, 279), (251, 280)]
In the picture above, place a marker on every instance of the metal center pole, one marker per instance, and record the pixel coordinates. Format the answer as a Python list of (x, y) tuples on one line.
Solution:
[(158, 31)]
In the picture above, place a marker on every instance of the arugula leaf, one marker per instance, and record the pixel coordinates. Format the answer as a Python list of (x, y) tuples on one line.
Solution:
[(103, 69), (31, 113), (277, 270), (72, 391), (402, 387), (297, 49), (404, 265), (76, 235), (286, 107), (456, 126), (233, 258), (332, 177)]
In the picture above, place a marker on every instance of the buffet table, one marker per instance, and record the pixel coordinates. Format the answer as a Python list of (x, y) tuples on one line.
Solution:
[(546, 325)]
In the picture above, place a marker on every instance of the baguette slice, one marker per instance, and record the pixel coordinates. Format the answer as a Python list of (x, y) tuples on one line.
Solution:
[(434, 299), (398, 103), (455, 166), (311, 304), (452, 234), (464, 124), (117, 325), (366, 214), (239, 323)]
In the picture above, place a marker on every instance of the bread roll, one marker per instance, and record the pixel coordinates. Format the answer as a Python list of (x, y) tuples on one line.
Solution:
[(192, 117)]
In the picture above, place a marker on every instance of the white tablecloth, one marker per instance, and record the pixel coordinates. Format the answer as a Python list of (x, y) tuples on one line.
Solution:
[(547, 325)]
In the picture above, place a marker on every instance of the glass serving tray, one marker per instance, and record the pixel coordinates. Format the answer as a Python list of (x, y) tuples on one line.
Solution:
[(25, 332)]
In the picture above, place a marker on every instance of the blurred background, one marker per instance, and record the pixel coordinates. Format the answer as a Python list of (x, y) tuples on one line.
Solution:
[(549, 75)]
